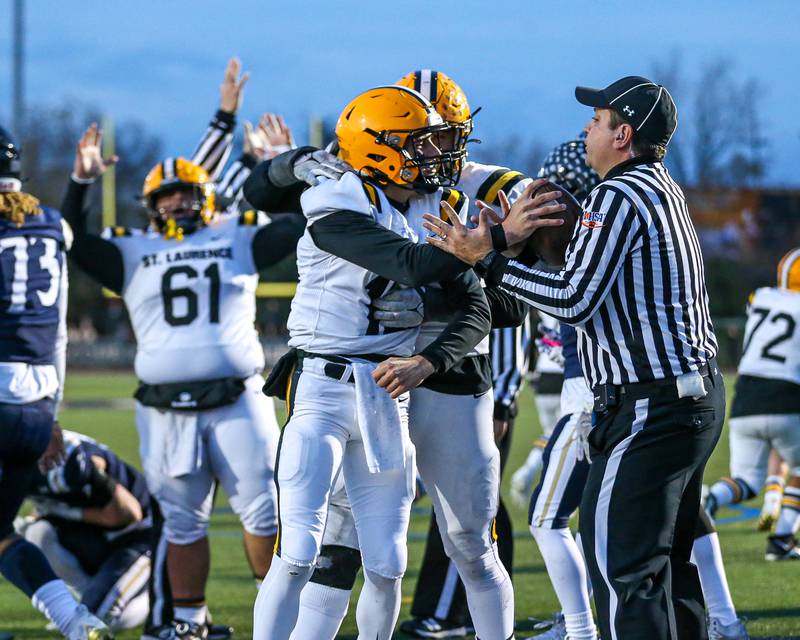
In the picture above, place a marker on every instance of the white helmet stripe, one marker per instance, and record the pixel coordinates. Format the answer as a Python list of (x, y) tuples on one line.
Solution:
[(425, 83), (169, 169)]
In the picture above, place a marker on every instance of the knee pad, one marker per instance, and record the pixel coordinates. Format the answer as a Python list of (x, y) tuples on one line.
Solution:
[(386, 559), (257, 514), (183, 525), (337, 567), (743, 488)]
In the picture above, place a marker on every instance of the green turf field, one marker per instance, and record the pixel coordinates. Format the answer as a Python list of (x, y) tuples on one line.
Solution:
[(766, 593)]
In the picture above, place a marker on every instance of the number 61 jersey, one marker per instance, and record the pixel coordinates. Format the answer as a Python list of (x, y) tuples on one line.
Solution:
[(192, 303)]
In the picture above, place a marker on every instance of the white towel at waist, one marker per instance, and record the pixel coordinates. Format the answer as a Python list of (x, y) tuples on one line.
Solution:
[(182, 448), (382, 431)]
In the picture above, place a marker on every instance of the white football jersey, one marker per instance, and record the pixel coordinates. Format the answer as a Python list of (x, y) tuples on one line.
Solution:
[(772, 335), (331, 307), (483, 182), (419, 206), (192, 303)]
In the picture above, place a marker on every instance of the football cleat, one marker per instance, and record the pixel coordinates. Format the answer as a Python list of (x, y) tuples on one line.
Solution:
[(180, 630), (782, 548), (85, 626), (219, 631), (733, 631), (770, 510), (433, 628), (557, 629)]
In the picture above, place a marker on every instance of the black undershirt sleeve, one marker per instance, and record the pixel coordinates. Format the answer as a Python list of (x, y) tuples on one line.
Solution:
[(507, 310), (359, 239), (272, 186), (468, 325), (276, 240), (101, 259)]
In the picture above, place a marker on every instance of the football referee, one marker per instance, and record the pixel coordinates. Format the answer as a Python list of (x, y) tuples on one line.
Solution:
[(633, 285)]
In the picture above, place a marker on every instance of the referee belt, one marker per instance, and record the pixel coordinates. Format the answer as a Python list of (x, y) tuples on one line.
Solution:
[(607, 396)]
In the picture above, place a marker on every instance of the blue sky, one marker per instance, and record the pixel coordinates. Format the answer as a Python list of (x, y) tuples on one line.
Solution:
[(161, 62)]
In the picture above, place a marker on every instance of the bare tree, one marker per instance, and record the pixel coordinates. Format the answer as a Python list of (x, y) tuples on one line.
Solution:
[(720, 142)]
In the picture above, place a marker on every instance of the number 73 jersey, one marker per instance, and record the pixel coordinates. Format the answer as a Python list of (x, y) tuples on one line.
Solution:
[(771, 337), (192, 303)]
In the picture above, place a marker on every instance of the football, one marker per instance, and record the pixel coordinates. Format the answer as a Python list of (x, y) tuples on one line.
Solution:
[(550, 243)]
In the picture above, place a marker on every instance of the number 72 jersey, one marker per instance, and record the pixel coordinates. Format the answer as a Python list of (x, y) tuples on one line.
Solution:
[(772, 337), (192, 303)]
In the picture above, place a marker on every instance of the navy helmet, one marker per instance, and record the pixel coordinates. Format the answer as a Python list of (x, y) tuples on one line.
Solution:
[(10, 165), (566, 166)]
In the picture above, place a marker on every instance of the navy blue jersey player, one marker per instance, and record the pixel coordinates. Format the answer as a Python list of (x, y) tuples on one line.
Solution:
[(32, 284), (97, 525)]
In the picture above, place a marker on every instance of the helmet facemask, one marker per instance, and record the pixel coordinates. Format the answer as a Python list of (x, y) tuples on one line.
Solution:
[(189, 214), (422, 170)]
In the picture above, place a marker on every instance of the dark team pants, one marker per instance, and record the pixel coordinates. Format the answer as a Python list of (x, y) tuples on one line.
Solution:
[(24, 435), (639, 512), (439, 592)]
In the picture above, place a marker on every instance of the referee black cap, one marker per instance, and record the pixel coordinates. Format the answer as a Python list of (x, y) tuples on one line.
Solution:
[(646, 106)]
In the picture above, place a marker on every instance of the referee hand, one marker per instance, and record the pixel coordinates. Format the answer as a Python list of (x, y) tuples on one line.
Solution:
[(526, 214)]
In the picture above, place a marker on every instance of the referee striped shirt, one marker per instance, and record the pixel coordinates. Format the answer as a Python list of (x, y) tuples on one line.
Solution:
[(510, 350), (215, 146), (633, 283)]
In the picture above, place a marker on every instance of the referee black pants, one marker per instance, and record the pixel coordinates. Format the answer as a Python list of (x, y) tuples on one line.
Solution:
[(640, 510)]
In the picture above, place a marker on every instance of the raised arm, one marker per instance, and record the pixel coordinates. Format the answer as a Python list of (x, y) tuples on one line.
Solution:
[(215, 146), (100, 258), (269, 138)]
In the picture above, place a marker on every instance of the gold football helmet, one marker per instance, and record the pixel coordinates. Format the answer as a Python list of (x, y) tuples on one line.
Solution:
[(383, 134), (177, 174), (789, 271), (448, 99)]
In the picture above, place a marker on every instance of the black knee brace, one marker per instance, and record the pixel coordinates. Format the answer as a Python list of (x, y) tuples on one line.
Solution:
[(337, 566)]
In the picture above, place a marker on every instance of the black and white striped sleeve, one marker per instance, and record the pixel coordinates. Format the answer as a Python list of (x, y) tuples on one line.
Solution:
[(509, 349), (610, 229), (231, 186), (215, 146)]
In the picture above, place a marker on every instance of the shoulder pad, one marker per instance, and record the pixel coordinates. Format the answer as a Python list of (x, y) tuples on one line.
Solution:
[(348, 193), (455, 199), (502, 179), (372, 195)]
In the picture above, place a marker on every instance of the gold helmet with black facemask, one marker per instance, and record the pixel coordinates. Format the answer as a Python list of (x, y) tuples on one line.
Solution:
[(382, 133), (179, 174)]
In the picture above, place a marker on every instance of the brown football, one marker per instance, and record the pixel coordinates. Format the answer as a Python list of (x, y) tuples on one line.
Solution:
[(550, 243)]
